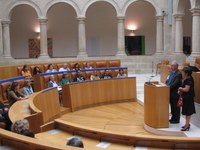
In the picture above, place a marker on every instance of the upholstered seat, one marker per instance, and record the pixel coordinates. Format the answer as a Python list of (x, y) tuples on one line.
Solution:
[(197, 62), (114, 63), (4, 92), (101, 64)]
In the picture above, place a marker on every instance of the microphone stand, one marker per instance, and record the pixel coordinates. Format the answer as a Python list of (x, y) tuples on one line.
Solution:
[(152, 72)]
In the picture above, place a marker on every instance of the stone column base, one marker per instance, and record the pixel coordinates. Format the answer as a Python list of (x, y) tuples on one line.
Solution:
[(44, 55)]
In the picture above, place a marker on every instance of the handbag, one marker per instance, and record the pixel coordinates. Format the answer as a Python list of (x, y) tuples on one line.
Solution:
[(180, 101)]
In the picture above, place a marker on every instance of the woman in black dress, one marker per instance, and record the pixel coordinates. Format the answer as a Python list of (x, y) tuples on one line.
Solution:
[(188, 94)]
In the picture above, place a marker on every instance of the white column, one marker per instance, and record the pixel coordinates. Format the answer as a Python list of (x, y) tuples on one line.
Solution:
[(120, 38), (195, 32), (81, 37), (179, 33), (43, 38), (159, 35), (6, 39)]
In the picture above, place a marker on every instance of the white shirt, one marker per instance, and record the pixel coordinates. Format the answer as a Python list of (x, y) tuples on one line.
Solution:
[(63, 69)]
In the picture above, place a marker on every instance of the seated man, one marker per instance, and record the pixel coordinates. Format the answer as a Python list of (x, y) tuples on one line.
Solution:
[(79, 77), (106, 75), (52, 82), (76, 142), (64, 68)]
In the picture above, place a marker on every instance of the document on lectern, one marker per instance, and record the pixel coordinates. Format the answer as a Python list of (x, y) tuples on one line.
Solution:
[(159, 85)]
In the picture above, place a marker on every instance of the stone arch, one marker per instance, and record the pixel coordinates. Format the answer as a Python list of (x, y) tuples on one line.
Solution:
[(180, 6), (90, 2), (155, 6), (197, 4), (53, 2), (21, 2)]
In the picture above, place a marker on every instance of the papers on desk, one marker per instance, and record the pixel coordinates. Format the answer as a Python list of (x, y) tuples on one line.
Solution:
[(159, 85), (25, 104), (141, 148), (26, 110), (103, 144), (59, 88), (54, 131)]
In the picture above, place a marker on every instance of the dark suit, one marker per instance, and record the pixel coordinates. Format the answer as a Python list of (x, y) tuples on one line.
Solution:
[(174, 81)]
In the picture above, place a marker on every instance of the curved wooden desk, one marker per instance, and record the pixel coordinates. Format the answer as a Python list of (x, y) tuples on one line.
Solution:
[(40, 108), (92, 93)]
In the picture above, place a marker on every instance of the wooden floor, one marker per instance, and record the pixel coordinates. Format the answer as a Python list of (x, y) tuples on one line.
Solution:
[(120, 117)]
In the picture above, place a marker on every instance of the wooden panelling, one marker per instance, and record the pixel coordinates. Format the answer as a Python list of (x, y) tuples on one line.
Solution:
[(87, 94), (196, 76), (156, 106), (47, 101)]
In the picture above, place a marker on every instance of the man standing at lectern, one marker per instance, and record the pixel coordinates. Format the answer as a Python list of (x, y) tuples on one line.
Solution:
[(174, 81)]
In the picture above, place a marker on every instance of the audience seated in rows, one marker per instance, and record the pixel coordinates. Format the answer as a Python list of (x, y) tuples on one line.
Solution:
[(50, 69), (64, 68), (106, 74), (22, 127), (27, 89), (95, 75), (79, 77), (121, 74), (65, 79), (14, 94), (25, 72), (76, 142), (36, 70)]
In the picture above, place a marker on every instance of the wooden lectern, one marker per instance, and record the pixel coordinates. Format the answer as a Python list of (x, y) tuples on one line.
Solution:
[(156, 105)]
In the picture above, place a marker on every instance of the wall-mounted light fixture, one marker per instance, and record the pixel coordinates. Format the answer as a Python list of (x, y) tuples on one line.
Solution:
[(37, 30), (131, 28)]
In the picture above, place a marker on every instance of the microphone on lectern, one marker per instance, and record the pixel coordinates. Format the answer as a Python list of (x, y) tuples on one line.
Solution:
[(152, 69), (152, 76)]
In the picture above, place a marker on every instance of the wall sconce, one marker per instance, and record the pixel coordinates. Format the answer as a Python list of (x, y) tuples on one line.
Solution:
[(37, 30), (132, 28)]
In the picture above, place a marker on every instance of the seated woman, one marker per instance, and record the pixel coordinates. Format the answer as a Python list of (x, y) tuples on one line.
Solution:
[(36, 70), (121, 74), (79, 77), (95, 75), (25, 72), (52, 82), (87, 66), (106, 75), (27, 89), (76, 67), (50, 69), (14, 94), (65, 79)]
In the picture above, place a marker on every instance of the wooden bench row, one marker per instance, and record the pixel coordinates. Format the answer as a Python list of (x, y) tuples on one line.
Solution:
[(41, 80), (15, 70)]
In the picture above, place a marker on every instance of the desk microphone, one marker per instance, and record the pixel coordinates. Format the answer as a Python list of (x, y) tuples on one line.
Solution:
[(152, 69), (151, 77)]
